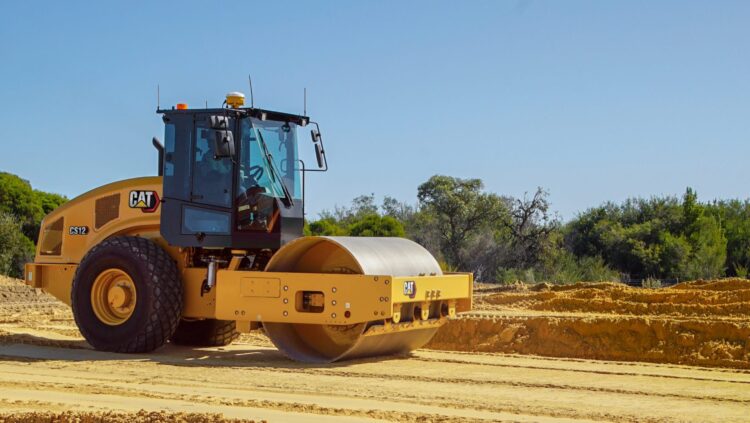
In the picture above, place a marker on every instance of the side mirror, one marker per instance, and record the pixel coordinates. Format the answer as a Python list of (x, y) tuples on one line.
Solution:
[(315, 135), (223, 144), (320, 152), (320, 155)]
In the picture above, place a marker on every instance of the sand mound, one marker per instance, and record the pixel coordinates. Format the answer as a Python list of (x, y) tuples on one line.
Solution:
[(704, 343), (16, 296), (25, 310), (715, 285), (113, 417), (709, 299), (699, 323)]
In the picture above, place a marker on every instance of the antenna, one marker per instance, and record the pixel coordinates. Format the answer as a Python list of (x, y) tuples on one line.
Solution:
[(252, 102), (304, 110), (157, 97)]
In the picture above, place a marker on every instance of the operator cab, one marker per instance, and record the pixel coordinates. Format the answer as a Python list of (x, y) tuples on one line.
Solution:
[(233, 176)]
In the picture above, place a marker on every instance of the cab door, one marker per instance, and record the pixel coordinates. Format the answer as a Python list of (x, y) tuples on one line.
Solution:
[(198, 185), (210, 188)]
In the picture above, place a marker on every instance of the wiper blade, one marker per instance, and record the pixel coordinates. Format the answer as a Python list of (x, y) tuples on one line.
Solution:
[(274, 172)]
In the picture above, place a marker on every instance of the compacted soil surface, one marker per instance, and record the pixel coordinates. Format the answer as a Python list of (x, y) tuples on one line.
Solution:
[(600, 352)]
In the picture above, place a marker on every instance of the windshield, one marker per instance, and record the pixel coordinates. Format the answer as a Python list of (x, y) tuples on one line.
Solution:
[(267, 163), (280, 140)]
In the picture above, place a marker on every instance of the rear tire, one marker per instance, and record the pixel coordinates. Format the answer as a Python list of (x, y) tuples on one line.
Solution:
[(155, 288), (205, 333)]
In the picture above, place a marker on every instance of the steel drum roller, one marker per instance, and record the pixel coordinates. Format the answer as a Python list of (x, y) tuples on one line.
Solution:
[(353, 255)]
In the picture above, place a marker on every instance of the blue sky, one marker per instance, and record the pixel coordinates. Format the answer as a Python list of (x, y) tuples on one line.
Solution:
[(591, 100)]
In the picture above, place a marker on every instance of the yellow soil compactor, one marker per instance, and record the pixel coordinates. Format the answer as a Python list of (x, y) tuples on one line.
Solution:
[(213, 246)]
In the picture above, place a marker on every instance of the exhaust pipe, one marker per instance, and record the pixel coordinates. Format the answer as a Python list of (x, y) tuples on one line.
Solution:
[(160, 148)]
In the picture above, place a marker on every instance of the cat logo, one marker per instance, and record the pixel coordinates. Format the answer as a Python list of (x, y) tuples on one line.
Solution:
[(147, 201), (410, 289)]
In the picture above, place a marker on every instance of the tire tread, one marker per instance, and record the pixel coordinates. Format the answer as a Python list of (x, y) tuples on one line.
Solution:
[(163, 283)]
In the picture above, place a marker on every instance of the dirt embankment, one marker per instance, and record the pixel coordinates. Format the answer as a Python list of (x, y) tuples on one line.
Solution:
[(698, 323), (28, 315)]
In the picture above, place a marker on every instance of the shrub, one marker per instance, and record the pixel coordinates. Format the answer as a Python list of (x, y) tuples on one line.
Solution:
[(27, 205), (15, 248), (325, 226), (651, 283), (740, 270), (375, 225)]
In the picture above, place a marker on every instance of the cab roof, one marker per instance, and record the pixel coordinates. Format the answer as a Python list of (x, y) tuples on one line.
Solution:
[(257, 113)]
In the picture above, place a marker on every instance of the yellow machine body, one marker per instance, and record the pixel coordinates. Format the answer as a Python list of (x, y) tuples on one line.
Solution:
[(313, 287), (70, 231)]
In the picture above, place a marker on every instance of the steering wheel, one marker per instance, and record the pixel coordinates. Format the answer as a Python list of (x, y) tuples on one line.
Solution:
[(253, 174), (256, 172)]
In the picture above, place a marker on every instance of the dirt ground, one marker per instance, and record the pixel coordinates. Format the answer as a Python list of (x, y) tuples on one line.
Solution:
[(601, 352)]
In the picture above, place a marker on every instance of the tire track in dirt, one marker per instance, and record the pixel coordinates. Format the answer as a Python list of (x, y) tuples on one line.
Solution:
[(592, 372), (558, 402), (458, 379), (81, 379), (272, 405), (128, 390)]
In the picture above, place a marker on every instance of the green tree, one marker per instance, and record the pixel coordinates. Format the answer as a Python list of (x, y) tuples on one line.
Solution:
[(675, 254), (28, 205), (691, 209), (361, 206), (362, 218), (706, 238), (397, 210), (709, 249), (18, 199), (49, 201), (326, 226), (460, 211), (15, 248), (531, 226), (661, 237), (734, 216), (375, 225)]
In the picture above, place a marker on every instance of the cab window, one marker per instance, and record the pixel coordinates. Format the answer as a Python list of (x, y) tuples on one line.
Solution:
[(212, 177)]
